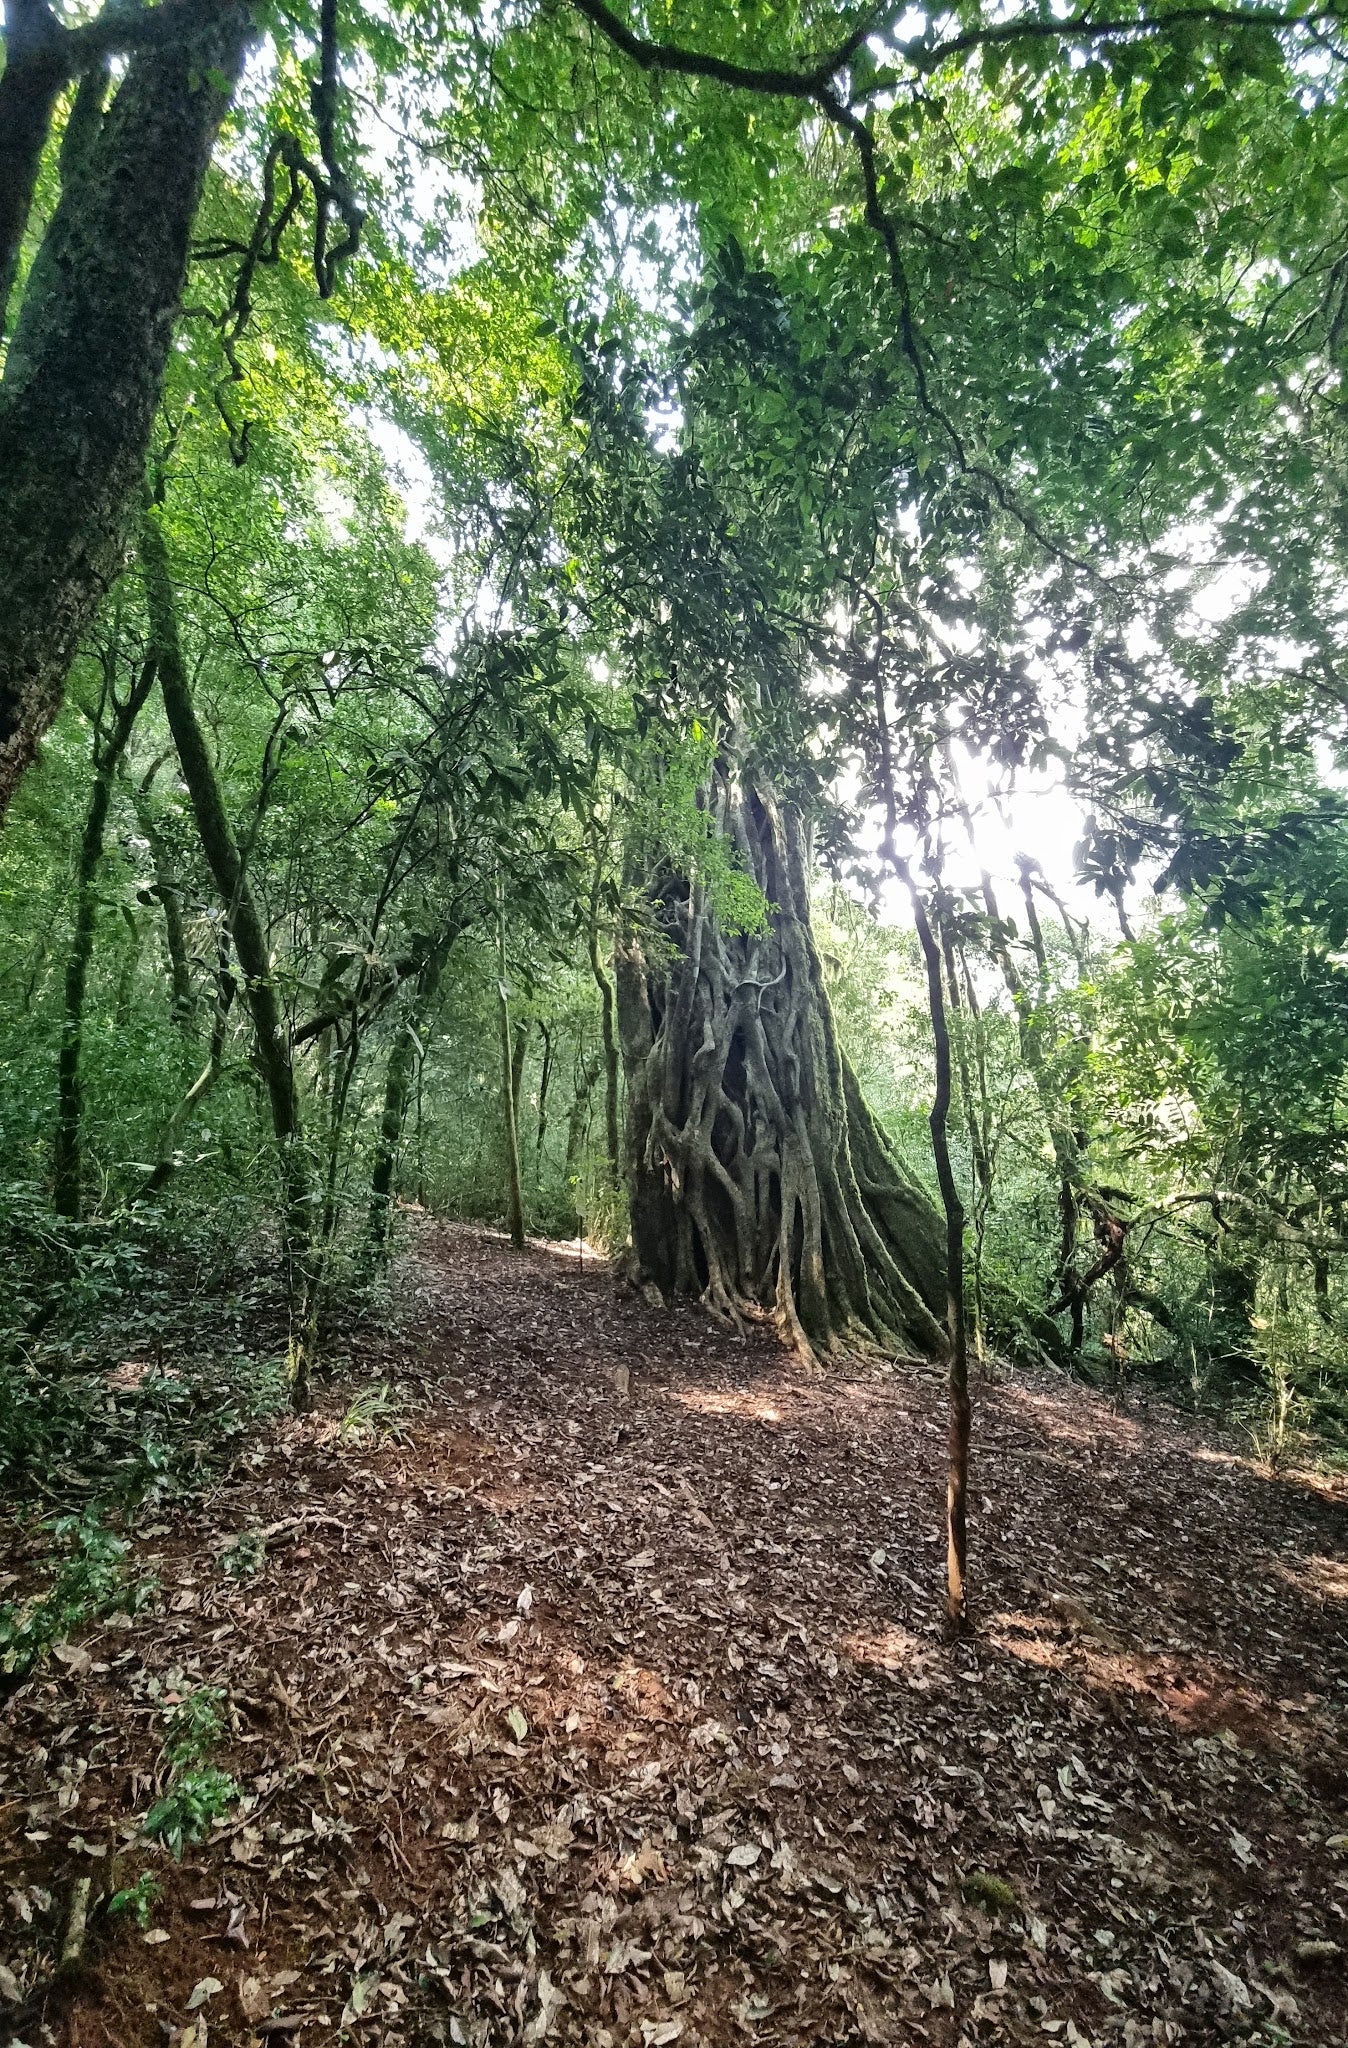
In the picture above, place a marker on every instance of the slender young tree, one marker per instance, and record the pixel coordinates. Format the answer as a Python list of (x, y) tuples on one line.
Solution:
[(300, 1198), (405, 1056), (957, 1347), (509, 1110), (114, 721)]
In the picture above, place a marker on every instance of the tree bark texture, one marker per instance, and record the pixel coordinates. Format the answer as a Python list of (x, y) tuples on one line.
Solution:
[(758, 1178), (86, 364)]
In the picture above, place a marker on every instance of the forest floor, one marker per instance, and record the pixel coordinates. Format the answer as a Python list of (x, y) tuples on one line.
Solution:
[(608, 1701)]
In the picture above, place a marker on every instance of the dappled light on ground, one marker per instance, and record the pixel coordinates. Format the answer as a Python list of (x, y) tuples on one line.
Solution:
[(570, 1703), (749, 1407)]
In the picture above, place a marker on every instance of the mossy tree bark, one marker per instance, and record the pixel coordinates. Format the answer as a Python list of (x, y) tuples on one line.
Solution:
[(86, 364), (759, 1180)]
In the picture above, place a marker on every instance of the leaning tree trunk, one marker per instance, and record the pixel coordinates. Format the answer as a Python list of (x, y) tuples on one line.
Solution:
[(83, 375), (759, 1180), (243, 921)]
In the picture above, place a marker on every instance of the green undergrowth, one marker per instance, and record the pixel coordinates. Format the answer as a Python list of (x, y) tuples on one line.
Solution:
[(139, 1353), (198, 1793), (86, 1576)]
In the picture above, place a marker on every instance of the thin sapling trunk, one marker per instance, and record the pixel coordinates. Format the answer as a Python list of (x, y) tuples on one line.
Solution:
[(110, 745), (514, 1192), (299, 1196)]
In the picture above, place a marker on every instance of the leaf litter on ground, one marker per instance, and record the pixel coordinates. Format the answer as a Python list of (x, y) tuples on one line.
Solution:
[(574, 1715)]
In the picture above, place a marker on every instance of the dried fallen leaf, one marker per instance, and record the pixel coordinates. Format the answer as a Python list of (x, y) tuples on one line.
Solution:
[(1233, 1988), (204, 1988), (252, 1998)]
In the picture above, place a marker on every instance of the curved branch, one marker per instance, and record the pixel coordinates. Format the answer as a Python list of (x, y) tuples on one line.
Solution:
[(649, 54)]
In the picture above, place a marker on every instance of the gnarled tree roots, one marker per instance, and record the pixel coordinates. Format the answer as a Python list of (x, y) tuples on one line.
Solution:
[(759, 1180)]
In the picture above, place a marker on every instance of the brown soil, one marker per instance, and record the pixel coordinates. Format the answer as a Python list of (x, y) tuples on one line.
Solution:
[(609, 1702)]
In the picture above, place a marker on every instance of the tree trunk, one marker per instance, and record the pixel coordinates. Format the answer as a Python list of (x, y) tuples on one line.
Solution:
[(35, 71), (759, 1180), (544, 1077), (957, 1473), (108, 751), (166, 1159), (404, 1057), (519, 1053), (514, 1192), (86, 365), (608, 1036), (169, 893), (299, 1196)]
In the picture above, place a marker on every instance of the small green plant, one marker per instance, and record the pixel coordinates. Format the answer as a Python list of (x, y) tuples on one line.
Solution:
[(375, 1412), (198, 1793), (89, 1579), (245, 1556), (195, 1723), (994, 1894), (194, 1802), (139, 1898)]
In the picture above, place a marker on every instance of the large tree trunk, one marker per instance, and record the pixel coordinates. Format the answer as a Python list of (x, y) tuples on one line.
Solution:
[(759, 1180), (86, 365)]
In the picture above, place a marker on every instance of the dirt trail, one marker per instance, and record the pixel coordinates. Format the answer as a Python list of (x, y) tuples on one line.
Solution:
[(611, 1705)]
